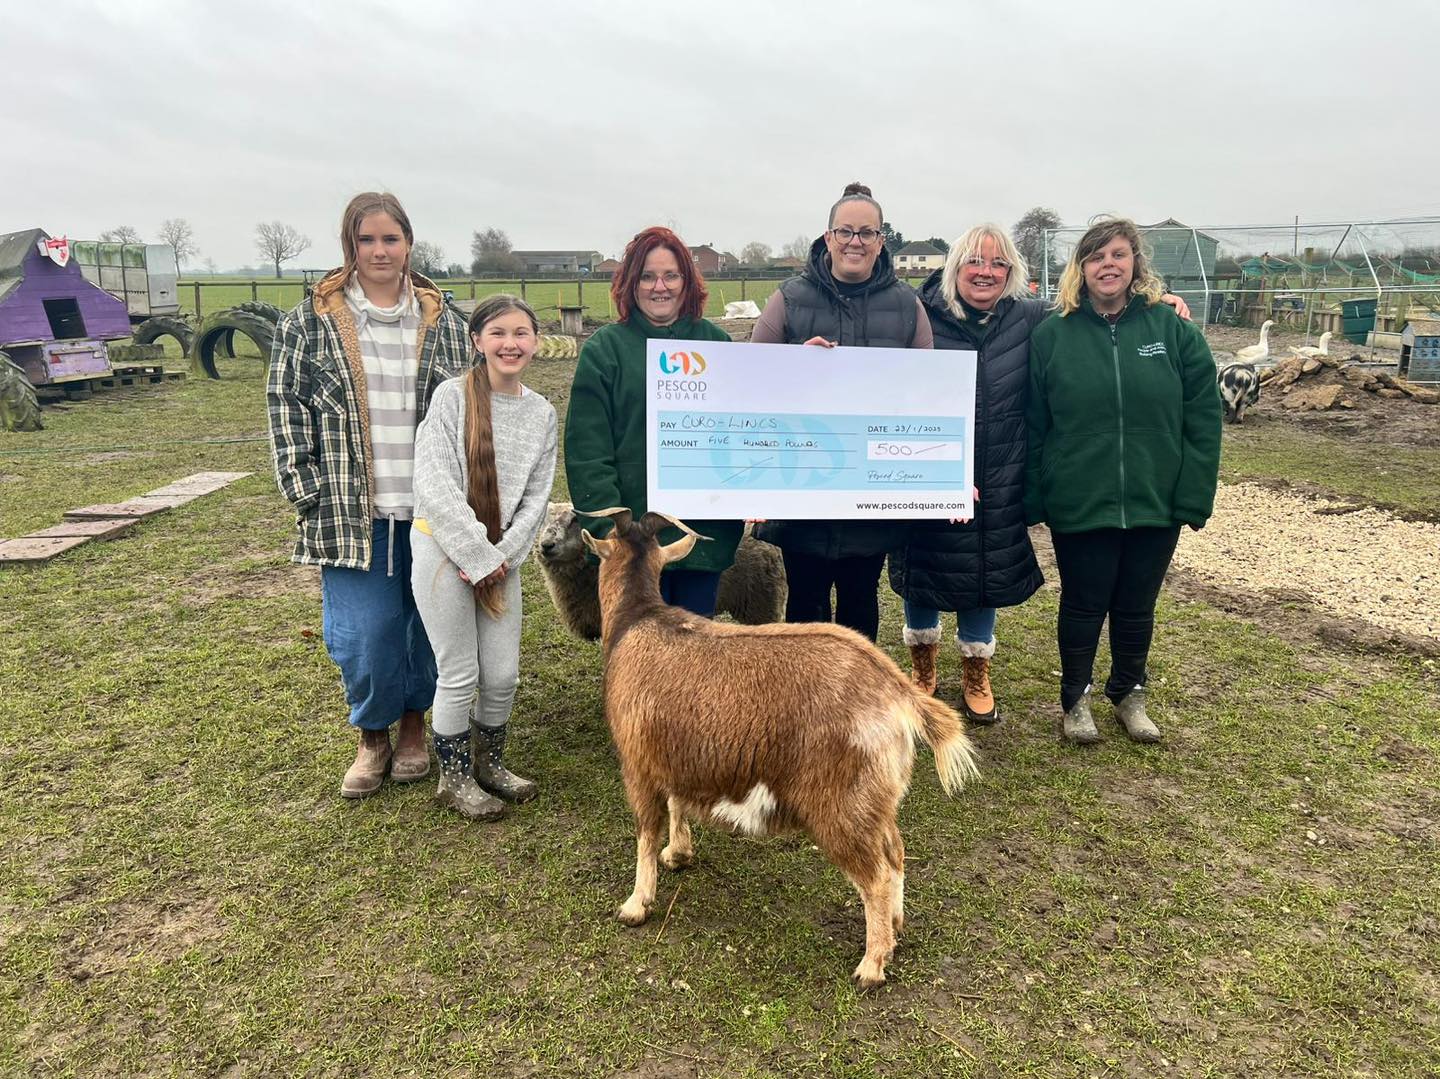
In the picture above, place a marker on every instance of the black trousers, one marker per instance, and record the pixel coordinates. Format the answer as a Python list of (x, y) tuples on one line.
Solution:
[(1115, 572), (855, 581)]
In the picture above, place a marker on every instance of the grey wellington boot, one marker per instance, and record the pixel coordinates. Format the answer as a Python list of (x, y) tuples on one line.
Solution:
[(458, 789), (1079, 728), (1130, 711), (490, 770)]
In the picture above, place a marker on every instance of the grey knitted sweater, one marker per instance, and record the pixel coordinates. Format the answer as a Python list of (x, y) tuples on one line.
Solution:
[(525, 439)]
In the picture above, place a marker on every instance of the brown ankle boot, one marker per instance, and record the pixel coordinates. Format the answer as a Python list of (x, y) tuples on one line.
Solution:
[(412, 758), (979, 701), (363, 778), (924, 651)]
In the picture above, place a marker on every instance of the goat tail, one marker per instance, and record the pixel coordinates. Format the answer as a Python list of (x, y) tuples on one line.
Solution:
[(940, 726)]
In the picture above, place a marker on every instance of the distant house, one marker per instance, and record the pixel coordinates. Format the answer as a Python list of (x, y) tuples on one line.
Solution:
[(786, 264), (709, 260), (557, 261), (607, 268), (730, 261), (918, 257)]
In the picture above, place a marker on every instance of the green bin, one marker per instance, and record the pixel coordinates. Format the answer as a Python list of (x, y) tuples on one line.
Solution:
[(1357, 319)]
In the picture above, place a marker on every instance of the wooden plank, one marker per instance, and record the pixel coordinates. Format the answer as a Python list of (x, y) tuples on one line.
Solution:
[(136, 509), (38, 550), (95, 528), (201, 483)]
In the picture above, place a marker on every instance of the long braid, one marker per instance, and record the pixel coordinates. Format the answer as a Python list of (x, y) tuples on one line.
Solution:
[(484, 492)]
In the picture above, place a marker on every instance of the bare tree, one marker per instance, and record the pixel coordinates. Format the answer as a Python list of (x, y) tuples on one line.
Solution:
[(755, 254), (798, 248), (1028, 233), (121, 234), (176, 232), (490, 252), (279, 242), (427, 258)]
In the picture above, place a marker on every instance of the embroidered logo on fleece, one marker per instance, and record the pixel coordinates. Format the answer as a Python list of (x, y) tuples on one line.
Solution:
[(1155, 348)]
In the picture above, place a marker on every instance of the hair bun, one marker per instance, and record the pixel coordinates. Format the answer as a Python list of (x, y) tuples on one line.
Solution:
[(857, 188)]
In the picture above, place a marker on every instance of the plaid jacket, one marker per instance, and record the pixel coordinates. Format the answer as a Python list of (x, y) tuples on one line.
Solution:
[(320, 414)]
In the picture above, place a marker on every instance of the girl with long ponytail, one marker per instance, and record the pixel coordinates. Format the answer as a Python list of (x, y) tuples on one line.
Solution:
[(484, 464)]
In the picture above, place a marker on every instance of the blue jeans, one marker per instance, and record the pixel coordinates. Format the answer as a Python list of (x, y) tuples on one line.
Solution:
[(374, 634), (975, 626), (692, 589)]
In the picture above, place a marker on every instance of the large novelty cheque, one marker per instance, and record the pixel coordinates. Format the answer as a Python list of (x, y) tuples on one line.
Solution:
[(800, 432)]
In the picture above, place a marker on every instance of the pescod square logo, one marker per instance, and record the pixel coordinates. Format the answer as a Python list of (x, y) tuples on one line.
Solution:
[(1155, 348), (685, 388)]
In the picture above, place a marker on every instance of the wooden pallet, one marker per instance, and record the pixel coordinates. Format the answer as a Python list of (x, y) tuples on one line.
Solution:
[(118, 378)]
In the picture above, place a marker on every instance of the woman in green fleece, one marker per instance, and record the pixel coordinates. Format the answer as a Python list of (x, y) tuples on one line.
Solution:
[(1124, 448), (658, 293)]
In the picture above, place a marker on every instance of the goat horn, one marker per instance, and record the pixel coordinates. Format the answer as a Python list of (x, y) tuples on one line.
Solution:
[(621, 515), (651, 527)]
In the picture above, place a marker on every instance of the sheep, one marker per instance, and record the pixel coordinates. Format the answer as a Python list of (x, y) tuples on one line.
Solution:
[(751, 591), (762, 729), (1239, 388)]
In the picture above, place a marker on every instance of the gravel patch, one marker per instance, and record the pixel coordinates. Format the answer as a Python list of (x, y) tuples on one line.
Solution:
[(1354, 562)]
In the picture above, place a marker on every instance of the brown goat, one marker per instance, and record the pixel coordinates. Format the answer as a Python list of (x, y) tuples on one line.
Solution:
[(761, 729)]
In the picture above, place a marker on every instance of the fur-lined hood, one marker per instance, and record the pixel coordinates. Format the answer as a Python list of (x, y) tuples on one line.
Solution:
[(329, 295)]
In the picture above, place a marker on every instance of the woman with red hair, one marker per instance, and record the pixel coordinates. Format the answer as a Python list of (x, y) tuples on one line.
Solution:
[(658, 293)]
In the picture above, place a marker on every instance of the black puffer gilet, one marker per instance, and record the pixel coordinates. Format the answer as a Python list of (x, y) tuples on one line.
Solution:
[(882, 314), (988, 562)]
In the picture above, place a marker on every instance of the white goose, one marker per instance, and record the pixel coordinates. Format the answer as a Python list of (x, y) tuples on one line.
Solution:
[(1256, 353), (1322, 349)]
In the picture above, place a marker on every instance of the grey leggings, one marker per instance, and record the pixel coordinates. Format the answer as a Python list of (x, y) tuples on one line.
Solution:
[(472, 650)]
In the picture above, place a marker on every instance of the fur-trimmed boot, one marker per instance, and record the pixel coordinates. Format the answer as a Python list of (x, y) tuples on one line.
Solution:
[(977, 697), (924, 651), (458, 789), (490, 770), (1130, 711), (372, 761)]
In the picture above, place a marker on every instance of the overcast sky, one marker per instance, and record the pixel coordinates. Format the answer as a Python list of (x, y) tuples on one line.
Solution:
[(572, 125)]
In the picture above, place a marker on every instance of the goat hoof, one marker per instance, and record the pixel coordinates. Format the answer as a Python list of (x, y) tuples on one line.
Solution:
[(633, 913), (869, 975), (676, 859)]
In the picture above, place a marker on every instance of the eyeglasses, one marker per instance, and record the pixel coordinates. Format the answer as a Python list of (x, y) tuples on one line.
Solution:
[(975, 262), (670, 279), (845, 234)]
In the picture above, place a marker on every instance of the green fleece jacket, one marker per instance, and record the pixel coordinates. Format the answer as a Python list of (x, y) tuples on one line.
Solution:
[(1124, 421), (605, 433)]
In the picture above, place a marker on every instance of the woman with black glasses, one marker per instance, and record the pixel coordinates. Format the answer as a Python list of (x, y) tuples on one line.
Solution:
[(848, 294)]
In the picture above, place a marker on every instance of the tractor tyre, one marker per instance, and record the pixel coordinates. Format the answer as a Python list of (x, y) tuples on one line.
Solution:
[(219, 329), (162, 326), (19, 407), (261, 308)]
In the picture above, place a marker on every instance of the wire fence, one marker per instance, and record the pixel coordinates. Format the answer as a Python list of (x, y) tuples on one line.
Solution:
[(1363, 279)]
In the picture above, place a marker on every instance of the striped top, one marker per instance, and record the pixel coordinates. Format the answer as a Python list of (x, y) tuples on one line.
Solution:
[(387, 337)]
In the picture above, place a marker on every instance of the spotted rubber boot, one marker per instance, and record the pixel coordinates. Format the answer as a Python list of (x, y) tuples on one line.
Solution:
[(490, 770), (1130, 711), (458, 789), (1079, 728), (924, 651)]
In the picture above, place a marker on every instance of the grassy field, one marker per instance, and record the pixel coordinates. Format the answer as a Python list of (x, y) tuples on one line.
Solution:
[(544, 296), (182, 892)]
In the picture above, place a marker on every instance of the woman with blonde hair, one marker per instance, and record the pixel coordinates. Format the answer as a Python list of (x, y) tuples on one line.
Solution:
[(1124, 449), (351, 374), (977, 301)]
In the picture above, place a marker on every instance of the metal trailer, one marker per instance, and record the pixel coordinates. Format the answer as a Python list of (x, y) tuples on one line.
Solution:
[(145, 277)]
